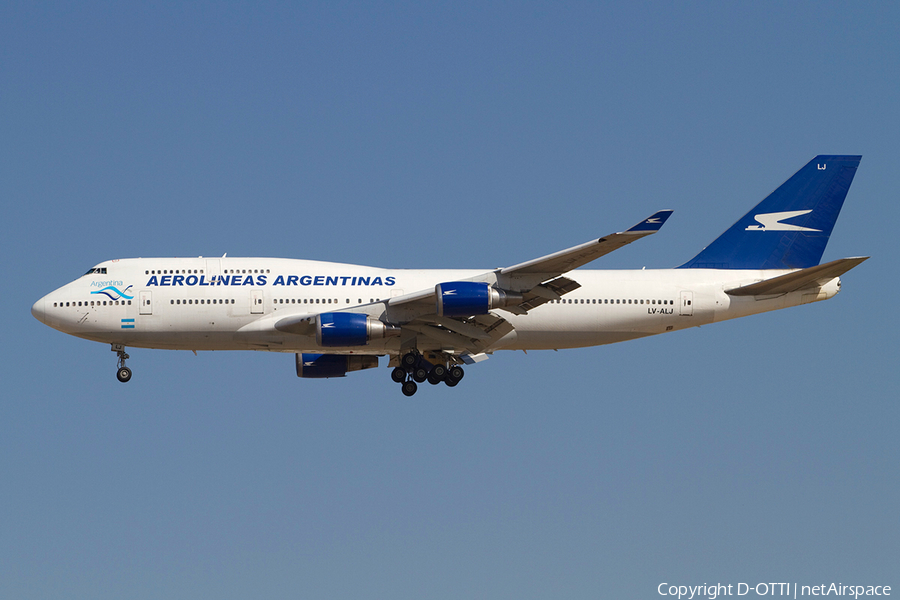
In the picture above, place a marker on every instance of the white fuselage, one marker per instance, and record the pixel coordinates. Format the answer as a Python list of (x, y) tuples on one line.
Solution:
[(233, 303)]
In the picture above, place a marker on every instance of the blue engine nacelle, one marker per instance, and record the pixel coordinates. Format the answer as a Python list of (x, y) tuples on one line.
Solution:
[(332, 365), (467, 298), (350, 329)]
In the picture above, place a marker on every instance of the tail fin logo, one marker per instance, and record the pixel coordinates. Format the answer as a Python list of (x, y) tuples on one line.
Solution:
[(773, 221)]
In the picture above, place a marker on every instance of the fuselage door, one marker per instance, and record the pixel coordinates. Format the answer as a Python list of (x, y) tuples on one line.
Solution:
[(213, 270), (687, 303), (256, 302), (146, 300)]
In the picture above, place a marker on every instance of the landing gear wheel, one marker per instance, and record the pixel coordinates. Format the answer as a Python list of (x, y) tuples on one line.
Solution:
[(409, 360), (451, 382), (123, 374), (398, 375), (409, 388), (437, 374), (456, 373), (420, 374)]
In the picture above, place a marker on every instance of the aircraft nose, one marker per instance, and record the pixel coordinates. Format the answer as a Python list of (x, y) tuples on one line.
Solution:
[(38, 311)]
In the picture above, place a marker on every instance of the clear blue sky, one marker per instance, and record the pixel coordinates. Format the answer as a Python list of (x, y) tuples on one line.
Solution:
[(451, 135)]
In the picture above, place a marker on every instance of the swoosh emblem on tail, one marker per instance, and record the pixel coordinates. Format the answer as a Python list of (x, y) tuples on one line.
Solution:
[(773, 221)]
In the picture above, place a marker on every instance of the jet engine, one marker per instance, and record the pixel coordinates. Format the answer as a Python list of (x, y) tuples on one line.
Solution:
[(350, 329), (332, 365), (467, 298)]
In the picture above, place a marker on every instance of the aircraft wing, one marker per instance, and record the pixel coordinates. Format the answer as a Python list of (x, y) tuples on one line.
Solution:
[(540, 279), (535, 282), (577, 256)]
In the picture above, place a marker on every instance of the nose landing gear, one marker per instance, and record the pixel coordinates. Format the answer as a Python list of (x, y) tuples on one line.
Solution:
[(123, 373)]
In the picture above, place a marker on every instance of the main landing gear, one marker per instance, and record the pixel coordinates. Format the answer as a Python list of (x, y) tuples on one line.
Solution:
[(414, 369), (123, 373)]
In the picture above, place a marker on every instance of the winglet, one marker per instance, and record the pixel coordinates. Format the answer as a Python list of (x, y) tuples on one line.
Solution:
[(652, 223)]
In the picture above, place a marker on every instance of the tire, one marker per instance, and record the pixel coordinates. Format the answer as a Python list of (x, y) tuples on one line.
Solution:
[(123, 374), (409, 388), (398, 375), (432, 379), (439, 372), (451, 382), (420, 374), (455, 372), (409, 360)]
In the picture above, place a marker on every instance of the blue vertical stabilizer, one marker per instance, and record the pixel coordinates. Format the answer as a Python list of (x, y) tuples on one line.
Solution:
[(790, 228)]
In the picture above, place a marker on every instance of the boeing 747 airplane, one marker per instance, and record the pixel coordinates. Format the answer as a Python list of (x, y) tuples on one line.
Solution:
[(338, 318)]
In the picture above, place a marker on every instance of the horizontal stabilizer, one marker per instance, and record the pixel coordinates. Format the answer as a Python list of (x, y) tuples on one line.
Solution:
[(798, 280)]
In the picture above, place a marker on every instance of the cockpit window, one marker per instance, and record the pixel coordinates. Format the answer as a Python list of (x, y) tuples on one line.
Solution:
[(97, 271)]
